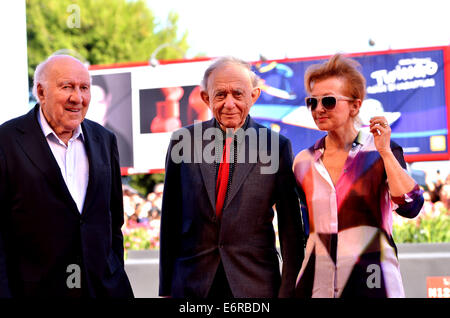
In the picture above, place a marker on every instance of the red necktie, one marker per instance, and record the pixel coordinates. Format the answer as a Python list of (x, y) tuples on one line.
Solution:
[(222, 176)]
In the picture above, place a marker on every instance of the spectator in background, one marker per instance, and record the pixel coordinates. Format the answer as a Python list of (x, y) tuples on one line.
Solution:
[(157, 199), (445, 193), (141, 211), (129, 206), (155, 218), (437, 193), (441, 202), (428, 206), (446, 196), (434, 185), (134, 207)]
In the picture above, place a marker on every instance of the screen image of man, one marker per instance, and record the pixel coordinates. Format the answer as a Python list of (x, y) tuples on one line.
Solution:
[(111, 107), (217, 235), (60, 194)]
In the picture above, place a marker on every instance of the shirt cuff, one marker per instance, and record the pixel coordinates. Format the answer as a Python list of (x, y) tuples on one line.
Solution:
[(408, 197)]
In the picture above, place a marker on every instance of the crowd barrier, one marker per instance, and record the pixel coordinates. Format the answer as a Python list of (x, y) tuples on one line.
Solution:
[(418, 262)]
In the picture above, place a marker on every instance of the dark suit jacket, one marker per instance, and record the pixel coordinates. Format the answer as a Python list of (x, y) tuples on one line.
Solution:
[(194, 241), (41, 229)]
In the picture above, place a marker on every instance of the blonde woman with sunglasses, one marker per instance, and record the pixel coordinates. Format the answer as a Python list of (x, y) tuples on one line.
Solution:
[(350, 182)]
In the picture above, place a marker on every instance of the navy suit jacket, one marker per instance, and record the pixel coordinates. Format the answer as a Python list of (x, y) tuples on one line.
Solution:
[(41, 230), (194, 241)]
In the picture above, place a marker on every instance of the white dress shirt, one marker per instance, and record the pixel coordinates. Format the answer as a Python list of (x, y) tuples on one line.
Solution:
[(72, 160)]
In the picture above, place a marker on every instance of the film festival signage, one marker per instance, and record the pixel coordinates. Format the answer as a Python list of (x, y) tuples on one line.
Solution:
[(146, 104), (438, 287)]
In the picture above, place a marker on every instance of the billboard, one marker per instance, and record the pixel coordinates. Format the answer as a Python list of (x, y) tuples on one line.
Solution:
[(409, 87), (111, 107), (145, 105)]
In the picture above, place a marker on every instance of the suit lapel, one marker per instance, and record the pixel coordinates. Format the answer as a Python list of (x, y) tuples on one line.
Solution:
[(33, 143), (207, 170), (242, 170), (91, 142)]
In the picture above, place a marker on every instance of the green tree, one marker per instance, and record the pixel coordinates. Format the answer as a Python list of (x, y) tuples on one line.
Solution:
[(101, 31), (144, 183)]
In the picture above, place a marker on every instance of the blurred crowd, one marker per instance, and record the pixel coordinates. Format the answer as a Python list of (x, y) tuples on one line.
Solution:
[(436, 198), (436, 195), (142, 211), (145, 212)]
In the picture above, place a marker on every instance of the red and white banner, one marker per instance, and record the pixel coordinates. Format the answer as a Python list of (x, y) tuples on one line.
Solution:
[(438, 287)]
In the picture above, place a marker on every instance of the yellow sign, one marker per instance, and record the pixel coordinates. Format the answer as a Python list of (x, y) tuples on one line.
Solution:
[(438, 143)]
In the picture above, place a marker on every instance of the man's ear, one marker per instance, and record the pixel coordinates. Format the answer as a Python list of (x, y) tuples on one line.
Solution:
[(205, 97), (256, 92), (40, 92)]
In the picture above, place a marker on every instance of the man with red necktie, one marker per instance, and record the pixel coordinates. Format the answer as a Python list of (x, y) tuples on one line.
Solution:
[(217, 235), (223, 176)]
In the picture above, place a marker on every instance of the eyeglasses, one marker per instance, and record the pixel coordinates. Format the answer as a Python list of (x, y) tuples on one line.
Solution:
[(328, 102)]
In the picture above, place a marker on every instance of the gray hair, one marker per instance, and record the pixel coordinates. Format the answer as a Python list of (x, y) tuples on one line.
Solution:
[(40, 74), (39, 77), (228, 60)]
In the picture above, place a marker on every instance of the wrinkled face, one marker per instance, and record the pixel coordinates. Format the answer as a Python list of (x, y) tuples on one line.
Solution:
[(65, 95), (230, 94), (342, 115)]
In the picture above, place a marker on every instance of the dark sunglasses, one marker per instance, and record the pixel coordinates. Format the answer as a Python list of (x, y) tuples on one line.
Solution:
[(328, 102)]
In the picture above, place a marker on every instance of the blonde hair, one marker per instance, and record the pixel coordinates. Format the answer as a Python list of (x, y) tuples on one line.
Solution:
[(341, 67)]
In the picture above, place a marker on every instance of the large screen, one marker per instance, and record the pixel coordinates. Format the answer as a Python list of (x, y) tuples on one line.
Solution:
[(406, 87), (409, 87)]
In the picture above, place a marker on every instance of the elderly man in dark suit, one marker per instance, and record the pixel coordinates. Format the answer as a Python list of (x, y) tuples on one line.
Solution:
[(223, 177), (60, 194)]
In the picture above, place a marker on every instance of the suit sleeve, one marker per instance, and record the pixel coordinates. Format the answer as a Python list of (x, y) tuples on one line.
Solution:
[(290, 229), (4, 285), (304, 213), (116, 204), (170, 233)]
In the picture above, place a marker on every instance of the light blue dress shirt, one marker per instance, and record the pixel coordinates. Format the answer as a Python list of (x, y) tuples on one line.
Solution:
[(71, 158)]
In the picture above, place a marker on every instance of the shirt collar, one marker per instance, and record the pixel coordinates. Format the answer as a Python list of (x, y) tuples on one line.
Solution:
[(361, 138), (244, 127), (319, 146), (47, 130)]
